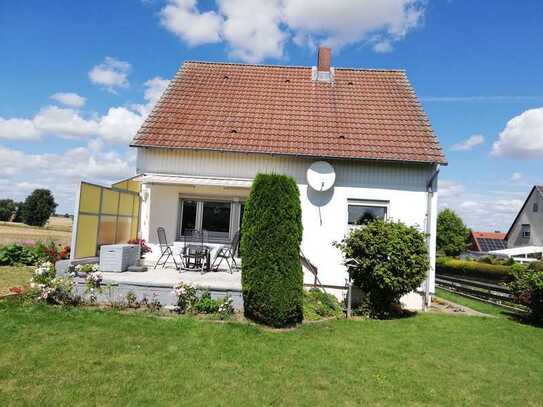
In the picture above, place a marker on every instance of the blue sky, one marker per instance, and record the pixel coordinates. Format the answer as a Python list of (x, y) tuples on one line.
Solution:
[(78, 78)]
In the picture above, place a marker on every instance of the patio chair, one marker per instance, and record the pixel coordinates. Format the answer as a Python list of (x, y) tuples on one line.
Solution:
[(227, 253), (194, 255), (165, 249)]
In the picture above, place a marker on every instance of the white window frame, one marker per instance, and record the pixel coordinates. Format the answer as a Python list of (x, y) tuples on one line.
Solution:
[(365, 202), (235, 208), (525, 230)]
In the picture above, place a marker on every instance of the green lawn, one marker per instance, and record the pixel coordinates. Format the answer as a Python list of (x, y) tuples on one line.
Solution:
[(73, 356), (14, 277)]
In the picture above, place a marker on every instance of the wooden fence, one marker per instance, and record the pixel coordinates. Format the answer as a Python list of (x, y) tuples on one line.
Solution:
[(485, 291)]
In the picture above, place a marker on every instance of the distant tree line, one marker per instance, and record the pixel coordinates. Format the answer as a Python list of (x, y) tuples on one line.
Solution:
[(36, 209)]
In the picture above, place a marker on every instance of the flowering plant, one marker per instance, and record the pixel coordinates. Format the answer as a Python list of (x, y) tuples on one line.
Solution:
[(56, 290), (144, 248), (226, 307), (186, 296), (87, 268), (93, 283), (51, 251)]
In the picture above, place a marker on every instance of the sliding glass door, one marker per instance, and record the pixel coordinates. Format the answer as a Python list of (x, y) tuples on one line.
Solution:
[(219, 218)]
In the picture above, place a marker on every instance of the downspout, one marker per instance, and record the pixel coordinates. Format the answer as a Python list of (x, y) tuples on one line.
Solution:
[(429, 195)]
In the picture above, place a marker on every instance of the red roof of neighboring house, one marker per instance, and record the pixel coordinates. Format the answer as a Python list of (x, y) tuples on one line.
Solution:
[(365, 114), (489, 235), (487, 241)]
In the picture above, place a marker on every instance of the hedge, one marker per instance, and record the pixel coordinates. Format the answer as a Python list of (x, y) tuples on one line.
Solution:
[(272, 276), (473, 269)]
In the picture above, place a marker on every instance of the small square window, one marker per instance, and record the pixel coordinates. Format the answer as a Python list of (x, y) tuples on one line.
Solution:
[(536, 207)]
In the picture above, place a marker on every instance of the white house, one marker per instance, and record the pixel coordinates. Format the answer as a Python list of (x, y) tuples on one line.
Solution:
[(217, 125), (527, 228)]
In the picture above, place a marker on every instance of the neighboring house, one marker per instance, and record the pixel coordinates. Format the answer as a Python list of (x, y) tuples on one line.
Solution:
[(219, 124), (527, 228), (487, 241)]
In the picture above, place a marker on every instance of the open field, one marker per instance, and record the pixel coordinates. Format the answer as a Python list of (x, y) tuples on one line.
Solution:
[(80, 356), (58, 229)]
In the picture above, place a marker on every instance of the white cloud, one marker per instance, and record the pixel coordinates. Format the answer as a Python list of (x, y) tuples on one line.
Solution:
[(18, 129), (469, 143), (481, 210), (64, 122), (155, 87), (383, 47), (517, 176), (195, 28), (118, 125), (69, 99), (252, 29), (522, 137), (449, 188), (258, 29), (21, 172), (112, 74), (341, 22)]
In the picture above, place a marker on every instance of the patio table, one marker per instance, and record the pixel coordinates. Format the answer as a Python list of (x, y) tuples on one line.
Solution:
[(197, 249)]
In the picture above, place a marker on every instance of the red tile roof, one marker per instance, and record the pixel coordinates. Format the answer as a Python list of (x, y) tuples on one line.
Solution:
[(366, 114), (489, 235)]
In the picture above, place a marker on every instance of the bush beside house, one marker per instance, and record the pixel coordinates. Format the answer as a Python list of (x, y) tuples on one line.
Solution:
[(386, 260), (527, 287), (272, 277)]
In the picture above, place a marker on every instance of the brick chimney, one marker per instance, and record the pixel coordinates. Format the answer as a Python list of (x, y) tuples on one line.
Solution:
[(324, 57), (323, 72)]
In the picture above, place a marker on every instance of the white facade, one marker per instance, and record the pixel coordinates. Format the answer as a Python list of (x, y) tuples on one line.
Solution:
[(527, 228), (401, 187)]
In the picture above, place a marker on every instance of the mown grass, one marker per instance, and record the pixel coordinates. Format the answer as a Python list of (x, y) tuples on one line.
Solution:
[(74, 356), (14, 277)]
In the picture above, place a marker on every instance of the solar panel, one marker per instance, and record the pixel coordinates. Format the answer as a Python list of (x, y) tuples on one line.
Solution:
[(487, 245)]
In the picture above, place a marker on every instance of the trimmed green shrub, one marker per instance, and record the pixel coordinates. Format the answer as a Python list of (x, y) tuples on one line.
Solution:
[(272, 277), (452, 234), (318, 305), (527, 287), (386, 260), (473, 269)]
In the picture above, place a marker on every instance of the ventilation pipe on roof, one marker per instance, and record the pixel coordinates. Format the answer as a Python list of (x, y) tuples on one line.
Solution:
[(323, 72)]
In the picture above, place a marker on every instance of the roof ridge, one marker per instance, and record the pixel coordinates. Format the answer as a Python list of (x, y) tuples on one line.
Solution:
[(192, 61)]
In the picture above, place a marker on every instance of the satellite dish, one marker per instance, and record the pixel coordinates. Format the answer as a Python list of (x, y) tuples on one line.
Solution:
[(321, 176)]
